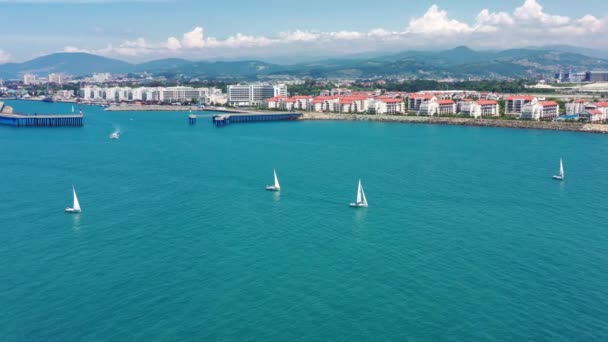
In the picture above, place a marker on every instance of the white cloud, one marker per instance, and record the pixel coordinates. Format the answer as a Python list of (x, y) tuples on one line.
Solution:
[(531, 10), (4, 57), (299, 36), (526, 25), (194, 38), (173, 43), (437, 22), (346, 35)]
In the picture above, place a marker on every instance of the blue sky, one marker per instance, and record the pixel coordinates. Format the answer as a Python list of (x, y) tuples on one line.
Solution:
[(148, 29)]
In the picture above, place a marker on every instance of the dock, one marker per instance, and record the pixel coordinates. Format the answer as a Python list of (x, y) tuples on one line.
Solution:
[(18, 120), (8, 118), (227, 119)]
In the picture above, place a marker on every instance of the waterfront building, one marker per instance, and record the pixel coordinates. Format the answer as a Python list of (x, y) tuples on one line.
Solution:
[(544, 110), (153, 94), (602, 107), (386, 105), (274, 102), (181, 94), (324, 103), (437, 107), (515, 103), (592, 115), (480, 108), (254, 94), (575, 107), (416, 100)]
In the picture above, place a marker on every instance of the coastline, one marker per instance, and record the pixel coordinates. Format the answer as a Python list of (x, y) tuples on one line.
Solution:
[(543, 125)]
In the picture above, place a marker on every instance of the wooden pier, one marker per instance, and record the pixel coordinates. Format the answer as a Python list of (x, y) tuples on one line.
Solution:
[(227, 119), (19, 120)]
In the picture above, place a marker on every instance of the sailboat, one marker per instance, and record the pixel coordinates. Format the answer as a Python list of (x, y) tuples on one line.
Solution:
[(276, 186), (72, 108), (561, 175), (76, 206), (361, 199)]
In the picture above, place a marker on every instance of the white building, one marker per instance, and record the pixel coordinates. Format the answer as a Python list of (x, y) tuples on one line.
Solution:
[(253, 94), (101, 78), (55, 78), (386, 105), (29, 79), (416, 100), (545, 110), (575, 107), (480, 108), (515, 104), (153, 94)]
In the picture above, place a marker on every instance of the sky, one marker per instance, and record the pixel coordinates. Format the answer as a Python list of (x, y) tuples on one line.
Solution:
[(141, 30)]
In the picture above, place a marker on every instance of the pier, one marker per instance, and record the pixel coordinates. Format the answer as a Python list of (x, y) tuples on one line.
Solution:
[(227, 119), (18, 120)]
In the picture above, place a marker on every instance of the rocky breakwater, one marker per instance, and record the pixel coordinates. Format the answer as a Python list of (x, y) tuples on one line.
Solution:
[(545, 125), (151, 108)]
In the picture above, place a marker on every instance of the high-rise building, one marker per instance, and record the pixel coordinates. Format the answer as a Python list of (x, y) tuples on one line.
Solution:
[(596, 76), (253, 94), (29, 79), (55, 78)]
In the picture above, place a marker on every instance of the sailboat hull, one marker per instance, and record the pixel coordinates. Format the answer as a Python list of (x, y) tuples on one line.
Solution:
[(358, 205), (72, 211), (559, 178), (273, 188)]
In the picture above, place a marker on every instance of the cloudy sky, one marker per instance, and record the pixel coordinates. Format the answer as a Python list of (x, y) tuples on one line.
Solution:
[(139, 30)]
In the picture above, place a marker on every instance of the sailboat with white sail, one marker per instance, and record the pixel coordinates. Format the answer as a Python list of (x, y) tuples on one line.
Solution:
[(75, 208), (361, 199), (561, 175), (276, 186)]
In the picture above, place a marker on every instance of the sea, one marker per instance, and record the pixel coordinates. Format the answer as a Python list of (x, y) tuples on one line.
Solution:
[(466, 238)]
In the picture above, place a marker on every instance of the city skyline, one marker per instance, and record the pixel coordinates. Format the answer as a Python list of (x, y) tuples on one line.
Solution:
[(130, 30)]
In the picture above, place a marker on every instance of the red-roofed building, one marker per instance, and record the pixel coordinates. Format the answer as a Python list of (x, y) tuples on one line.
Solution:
[(481, 108), (274, 102), (545, 110), (515, 104), (593, 115), (575, 107), (416, 100), (446, 107), (386, 105)]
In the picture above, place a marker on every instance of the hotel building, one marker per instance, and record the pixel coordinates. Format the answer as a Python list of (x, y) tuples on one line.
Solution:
[(254, 94)]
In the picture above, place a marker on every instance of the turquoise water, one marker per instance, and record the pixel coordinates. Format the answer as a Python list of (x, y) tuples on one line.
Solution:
[(467, 238)]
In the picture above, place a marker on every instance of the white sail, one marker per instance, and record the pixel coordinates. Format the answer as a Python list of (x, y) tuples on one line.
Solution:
[(359, 193), (561, 168), (276, 180), (76, 205), (363, 198), (72, 108)]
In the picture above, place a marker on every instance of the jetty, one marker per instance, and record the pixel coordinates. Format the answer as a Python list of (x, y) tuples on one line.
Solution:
[(8, 118), (227, 119)]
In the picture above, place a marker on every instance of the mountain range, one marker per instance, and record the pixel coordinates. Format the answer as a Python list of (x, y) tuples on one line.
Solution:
[(460, 62)]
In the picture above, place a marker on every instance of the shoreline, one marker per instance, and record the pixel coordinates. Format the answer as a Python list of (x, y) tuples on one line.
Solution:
[(519, 124)]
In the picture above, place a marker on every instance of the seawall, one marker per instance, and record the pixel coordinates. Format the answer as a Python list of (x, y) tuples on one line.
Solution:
[(521, 124)]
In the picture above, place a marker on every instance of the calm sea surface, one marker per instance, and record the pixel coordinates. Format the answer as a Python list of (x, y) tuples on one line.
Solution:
[(467, 237)]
